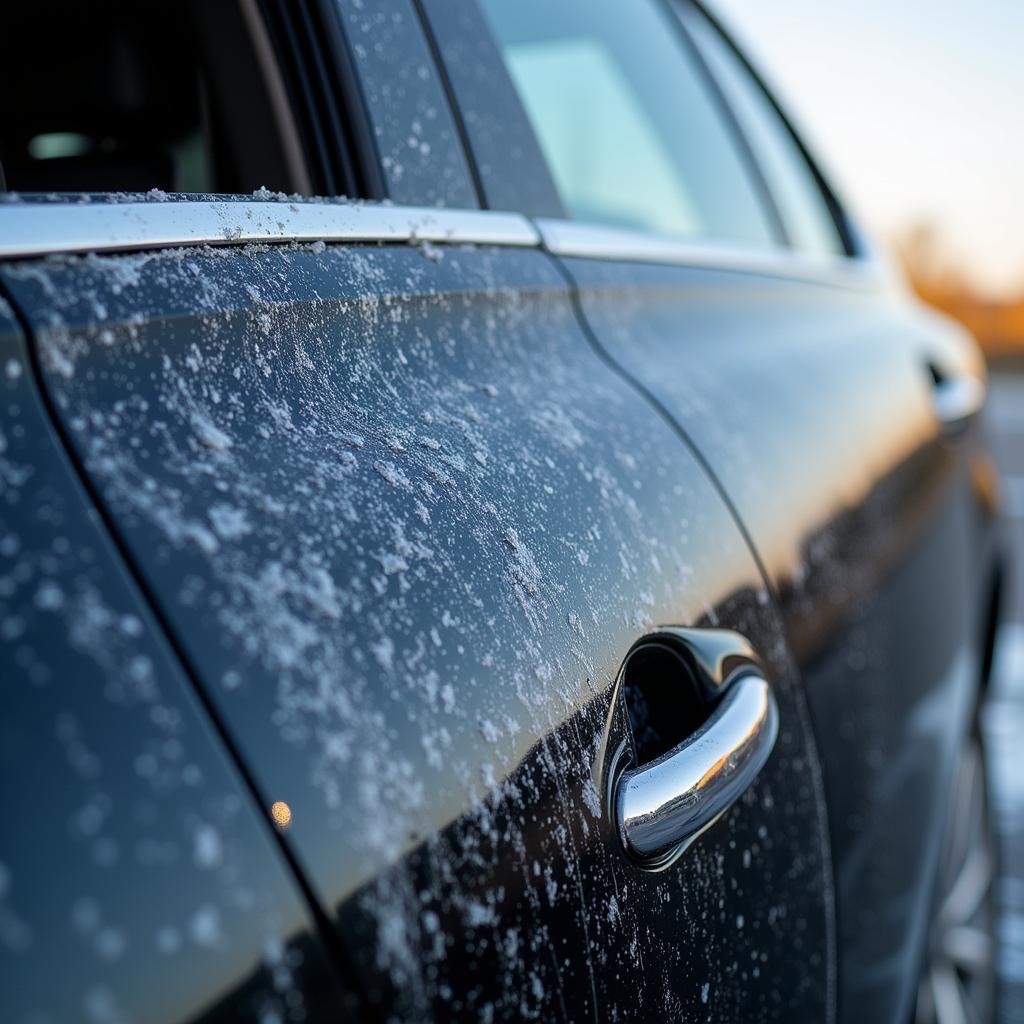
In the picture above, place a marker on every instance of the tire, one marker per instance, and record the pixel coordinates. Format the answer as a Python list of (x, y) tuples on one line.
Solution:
[(958, 983)]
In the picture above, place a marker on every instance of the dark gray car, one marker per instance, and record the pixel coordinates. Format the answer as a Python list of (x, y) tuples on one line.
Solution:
[(557, 583)]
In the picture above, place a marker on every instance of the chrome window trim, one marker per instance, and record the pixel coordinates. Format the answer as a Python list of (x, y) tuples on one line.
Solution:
[(42, 228), (595, 241)]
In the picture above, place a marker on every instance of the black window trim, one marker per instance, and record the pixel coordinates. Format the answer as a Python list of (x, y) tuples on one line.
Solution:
[(281, 110), (547, 201), (325, 98), (449, 94)]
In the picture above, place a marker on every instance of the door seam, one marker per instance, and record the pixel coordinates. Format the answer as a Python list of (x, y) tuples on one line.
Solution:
[(824, 824)]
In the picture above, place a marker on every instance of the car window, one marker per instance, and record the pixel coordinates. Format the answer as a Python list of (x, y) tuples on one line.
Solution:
[(808, 221), (629, 128), (120, 97)]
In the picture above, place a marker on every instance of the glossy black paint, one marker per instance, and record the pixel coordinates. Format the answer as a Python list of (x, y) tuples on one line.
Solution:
[(137, 881), (813, 403), (404, 524)]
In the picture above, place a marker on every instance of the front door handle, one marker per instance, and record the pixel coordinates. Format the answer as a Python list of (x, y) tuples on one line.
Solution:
[(957, 399), (662, 806)]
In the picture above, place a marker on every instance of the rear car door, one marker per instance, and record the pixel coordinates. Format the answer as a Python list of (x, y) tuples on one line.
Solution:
[(716, 271)]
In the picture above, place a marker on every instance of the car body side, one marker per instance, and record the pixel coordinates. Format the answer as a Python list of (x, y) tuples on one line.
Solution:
[(398, 513)]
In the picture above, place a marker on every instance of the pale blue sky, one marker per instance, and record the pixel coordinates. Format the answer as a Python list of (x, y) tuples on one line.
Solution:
[(916, 108)]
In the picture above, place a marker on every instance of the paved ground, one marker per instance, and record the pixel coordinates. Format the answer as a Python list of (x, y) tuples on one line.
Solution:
[(1005, 717)]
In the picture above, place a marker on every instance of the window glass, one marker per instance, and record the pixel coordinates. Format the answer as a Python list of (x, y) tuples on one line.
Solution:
[(119, 97), (801, 205), (630, 130)]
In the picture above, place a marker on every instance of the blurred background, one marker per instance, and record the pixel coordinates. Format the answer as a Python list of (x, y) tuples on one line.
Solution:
[(913, 110), (938, 176)]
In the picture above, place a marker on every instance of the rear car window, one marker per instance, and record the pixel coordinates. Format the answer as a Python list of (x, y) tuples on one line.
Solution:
[(631, 131)]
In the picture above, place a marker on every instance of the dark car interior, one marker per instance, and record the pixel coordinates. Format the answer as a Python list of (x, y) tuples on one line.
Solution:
[(127, 98)]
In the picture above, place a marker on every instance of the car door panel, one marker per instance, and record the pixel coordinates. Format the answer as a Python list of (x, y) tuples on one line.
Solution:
[(137, 882), (404, 523), (814, 403)]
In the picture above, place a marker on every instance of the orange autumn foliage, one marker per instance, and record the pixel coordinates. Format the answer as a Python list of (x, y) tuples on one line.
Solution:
[(997, 323)]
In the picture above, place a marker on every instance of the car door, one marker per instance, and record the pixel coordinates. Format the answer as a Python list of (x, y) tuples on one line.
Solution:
[(403, 524), (137, 879), (714, 269)]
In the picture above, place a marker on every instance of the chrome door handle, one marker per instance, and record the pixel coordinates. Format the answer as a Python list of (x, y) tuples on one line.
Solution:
[(662, 806), (956, 400)]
